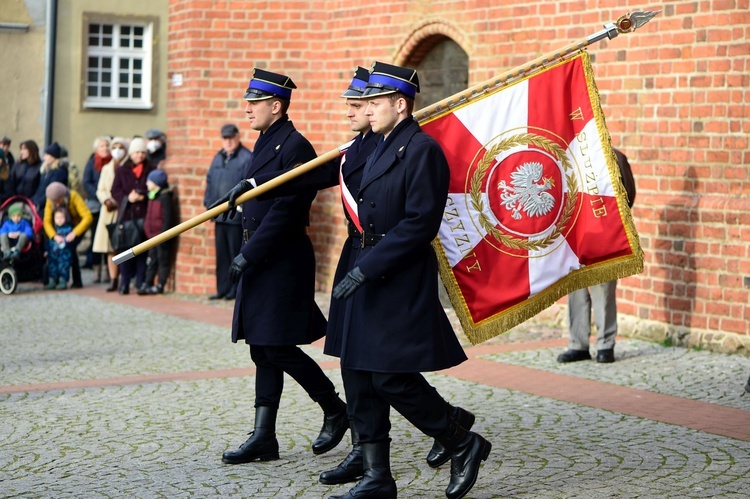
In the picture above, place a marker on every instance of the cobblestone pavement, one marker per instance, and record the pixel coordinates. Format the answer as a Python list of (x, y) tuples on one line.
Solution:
[(102, 397)]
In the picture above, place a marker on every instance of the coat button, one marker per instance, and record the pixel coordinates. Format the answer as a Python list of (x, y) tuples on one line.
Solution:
[(360, 200), (244, 219), (254, 220), (372, 203), (372, 226)]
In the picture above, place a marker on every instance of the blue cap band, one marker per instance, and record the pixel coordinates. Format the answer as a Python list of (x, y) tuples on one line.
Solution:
[(283, 92), (400, 85), (358, 85)]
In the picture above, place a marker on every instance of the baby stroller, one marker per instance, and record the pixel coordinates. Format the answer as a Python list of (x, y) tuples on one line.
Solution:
[(29, 265)]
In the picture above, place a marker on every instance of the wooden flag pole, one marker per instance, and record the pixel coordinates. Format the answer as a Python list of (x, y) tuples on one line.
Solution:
[(218, 210), (625, 24)]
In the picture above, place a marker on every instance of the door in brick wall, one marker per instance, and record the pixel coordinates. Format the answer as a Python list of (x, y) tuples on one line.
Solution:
[(443, 69)]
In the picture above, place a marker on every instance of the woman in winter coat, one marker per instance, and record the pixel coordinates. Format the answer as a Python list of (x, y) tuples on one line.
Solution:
[(130, 185), (25, 173), (48, 173), (108, 211)]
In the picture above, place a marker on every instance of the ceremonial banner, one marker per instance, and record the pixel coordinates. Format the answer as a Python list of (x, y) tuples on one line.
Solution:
[(536, 208)]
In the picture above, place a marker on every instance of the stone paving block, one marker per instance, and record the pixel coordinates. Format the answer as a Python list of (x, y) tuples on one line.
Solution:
[(697, 375), (165, 439)]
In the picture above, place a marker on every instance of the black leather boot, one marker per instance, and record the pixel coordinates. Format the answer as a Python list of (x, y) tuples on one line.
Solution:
[(377, 481), (438, 455), (335, 424), (468, 450), (262, 444), (350, 469)]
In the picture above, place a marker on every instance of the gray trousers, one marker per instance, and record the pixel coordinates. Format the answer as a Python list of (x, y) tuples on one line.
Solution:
[(20, 243), (602, 297)]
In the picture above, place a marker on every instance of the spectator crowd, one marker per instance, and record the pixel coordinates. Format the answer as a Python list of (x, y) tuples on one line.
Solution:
[(45, 200)]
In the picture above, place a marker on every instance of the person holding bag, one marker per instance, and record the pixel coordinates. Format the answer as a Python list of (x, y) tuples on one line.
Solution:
[(129, 186), (108, 213)]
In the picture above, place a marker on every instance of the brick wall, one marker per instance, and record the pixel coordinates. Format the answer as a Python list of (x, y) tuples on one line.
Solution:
[(674, 95)]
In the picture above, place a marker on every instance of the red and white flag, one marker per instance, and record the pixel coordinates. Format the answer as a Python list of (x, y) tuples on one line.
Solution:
[(536, 208)]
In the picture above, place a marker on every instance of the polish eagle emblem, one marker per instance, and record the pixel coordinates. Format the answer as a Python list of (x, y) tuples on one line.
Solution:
[(527, 191)]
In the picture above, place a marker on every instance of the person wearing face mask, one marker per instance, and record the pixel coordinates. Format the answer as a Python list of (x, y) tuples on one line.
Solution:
[(108, 212), (157, 146), (130, 185)]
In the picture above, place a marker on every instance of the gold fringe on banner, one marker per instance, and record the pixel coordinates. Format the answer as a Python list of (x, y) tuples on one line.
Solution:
[(609, 270)]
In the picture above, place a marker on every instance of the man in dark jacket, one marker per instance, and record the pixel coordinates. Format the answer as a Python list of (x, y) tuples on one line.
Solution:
[(157, 146), (275, 308), (394, 326), (224, 173)]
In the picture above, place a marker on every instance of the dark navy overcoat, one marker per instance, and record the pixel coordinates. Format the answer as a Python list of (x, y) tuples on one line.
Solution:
[(322, 177), (394, 322), (275, 303)]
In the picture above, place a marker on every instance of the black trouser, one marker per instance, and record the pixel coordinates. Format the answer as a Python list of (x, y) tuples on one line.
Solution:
[(228, 244), (75, 264), (370, 395), (159, 263), (135, 266), (273, 361)]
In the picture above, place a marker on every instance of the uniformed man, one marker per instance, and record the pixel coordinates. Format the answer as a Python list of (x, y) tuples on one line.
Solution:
[(347, 173), (393, 325), (275, 309)]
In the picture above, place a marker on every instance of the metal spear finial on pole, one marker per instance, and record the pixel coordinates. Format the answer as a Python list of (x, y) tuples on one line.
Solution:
[(625, 24)]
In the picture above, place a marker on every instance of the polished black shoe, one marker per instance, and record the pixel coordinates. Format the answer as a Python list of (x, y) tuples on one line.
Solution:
[(574, 356), (143, 289), (350, 469), (438, 455), (217, 296), (335, 424), (261, 446), (377, 481), (605, 356), (230, 297), (156, 289), (465, 462), (124, 290)]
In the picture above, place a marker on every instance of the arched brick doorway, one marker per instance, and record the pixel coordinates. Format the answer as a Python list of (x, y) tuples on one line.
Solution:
[(443, 69)]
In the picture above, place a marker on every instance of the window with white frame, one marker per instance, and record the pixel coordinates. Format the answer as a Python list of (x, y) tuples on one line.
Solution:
[(118, 65)]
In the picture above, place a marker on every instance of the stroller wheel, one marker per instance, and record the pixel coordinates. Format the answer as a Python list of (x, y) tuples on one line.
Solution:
[(8, 281)]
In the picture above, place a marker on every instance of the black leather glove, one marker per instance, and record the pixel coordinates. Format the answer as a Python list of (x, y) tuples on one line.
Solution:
[(238, 190), (351, 281), (238, 266)]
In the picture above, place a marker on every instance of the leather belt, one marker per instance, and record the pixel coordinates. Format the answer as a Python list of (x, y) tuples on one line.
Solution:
[(366, 239)]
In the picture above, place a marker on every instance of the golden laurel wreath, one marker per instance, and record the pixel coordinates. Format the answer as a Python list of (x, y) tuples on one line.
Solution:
[(476, 184)]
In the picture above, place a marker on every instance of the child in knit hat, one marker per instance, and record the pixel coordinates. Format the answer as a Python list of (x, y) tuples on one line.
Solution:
[(16, 230), (159, 217)]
